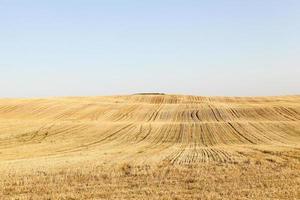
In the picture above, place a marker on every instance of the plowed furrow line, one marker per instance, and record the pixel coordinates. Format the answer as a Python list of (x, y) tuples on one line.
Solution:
[(256, 138), (153, 148), (182, 146), (235, 114), (52, 133), (96, 143), (282, 112), (198, 115), (42, 135), (226, 156), (201, 136), (294, 113), (214, 114), (155, 145), (205, 155), (193, 116), (144, 138), (208, 136), (70, 112), (240, 134), (272, 136), (154, 115), (174, 140), (265, 138), (123, 114)]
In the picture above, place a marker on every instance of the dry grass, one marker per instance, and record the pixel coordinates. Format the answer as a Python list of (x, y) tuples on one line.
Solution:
[(150, 147)]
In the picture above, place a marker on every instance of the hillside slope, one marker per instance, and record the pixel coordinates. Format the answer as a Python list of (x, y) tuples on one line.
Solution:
[(148, 130)]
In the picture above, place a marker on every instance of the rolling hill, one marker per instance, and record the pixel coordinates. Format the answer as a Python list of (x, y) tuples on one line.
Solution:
[(145, 146)]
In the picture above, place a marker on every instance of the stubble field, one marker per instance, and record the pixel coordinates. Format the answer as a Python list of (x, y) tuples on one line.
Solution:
[(150, 146)]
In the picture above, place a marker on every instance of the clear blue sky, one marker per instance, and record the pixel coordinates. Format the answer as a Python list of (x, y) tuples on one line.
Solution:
[(216, 47)]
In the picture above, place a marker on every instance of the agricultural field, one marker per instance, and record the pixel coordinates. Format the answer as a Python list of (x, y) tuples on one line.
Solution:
[(150, 146)]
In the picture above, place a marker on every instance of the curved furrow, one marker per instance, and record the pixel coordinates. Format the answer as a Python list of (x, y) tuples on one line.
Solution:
[(278, 136), (241, 135), (106, 138), (284, 113)]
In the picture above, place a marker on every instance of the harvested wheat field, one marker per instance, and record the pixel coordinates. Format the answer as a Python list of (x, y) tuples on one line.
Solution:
[(150, 146)]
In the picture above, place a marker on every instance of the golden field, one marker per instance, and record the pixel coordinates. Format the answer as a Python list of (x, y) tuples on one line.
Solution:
[(150, 146)]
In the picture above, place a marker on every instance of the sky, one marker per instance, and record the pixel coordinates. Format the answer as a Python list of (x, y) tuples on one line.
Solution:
[(109, 47)]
